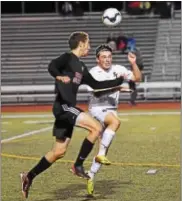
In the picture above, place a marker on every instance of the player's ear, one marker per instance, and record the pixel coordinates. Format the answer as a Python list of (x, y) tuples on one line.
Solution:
[(80, 44)]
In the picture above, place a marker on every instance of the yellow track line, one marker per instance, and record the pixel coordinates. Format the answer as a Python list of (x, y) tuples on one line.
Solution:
[(114, 163)]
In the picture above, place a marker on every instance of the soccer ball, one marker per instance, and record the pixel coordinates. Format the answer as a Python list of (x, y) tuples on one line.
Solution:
[(111, 17)]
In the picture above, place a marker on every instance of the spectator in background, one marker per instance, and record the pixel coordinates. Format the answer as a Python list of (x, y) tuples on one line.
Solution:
[(133, 7), (146, 6), (122, 43), (77, 8), (111, 41), (131, 44), (134, 4), (67, 9)]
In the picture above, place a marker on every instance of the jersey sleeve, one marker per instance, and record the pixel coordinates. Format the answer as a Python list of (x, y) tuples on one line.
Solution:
[(95, 84), (96, 75), (56, 66)]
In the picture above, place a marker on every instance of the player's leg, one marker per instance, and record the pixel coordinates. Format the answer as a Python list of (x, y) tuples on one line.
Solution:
[(112, 123), (95, 167), (86, 121), (62, 132)]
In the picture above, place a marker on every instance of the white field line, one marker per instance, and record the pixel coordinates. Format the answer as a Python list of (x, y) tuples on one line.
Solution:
[(25, 116), (48, 128), (39, 122), (120, 114), (26, 134), (124, 120), (5, 122), (148, 113)]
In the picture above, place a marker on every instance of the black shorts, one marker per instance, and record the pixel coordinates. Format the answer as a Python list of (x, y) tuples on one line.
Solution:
[(65, 120)]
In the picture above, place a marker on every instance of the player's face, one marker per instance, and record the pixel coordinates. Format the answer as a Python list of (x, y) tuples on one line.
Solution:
[(105, 59), (85, 47)]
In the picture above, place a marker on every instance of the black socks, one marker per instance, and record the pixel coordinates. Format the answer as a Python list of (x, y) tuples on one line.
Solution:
[(86, 148), (40, 167)]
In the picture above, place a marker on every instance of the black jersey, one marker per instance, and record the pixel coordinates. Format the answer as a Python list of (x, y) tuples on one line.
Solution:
[(68, 64)]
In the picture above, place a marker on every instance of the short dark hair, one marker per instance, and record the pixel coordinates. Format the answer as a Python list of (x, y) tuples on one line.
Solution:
[(103, 47), (75, 38)]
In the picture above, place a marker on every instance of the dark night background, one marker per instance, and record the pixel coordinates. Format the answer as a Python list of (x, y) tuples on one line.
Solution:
[(49, 6)]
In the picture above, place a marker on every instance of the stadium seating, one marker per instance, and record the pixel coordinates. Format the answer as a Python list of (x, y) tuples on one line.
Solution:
[(167, 64), (28, 44)]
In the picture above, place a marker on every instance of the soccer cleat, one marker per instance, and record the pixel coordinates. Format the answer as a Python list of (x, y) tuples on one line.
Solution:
[(26, 183), (79, 171), (103, 160), (90, 187)]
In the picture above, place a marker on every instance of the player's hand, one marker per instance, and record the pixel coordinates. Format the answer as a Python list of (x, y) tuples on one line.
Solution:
[(131, 58), (64, 79)]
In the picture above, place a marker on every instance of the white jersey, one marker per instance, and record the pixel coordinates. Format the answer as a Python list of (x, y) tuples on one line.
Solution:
[(111, 99)]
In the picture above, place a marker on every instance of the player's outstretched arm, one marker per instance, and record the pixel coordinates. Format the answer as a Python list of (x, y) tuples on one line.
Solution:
[(137, 76)]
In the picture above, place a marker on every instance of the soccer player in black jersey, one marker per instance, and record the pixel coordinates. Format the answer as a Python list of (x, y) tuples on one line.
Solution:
[(69, 73)]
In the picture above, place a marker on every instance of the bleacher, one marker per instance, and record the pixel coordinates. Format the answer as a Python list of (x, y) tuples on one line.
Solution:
[(29, 43), (167, 65)]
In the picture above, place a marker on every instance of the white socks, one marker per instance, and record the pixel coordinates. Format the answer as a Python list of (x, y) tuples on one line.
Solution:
[(94, 169), (106, 140)]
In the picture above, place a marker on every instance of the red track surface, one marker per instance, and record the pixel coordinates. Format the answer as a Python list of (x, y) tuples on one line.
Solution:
[(48, 108)]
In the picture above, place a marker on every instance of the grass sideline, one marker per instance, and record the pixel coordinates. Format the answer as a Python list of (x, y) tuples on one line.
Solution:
[(140, 142)]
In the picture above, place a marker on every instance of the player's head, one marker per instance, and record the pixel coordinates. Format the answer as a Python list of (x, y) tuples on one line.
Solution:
[(79, 41), (104, 56)]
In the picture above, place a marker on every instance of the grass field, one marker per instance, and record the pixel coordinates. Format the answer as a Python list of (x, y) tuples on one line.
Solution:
[(143, 142)]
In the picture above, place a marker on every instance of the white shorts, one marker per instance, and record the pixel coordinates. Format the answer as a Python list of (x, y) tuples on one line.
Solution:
[(100, 113)]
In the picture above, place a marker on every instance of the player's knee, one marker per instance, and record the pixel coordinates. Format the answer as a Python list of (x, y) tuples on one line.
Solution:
[(97, 130), (116, 123), (60, 153)]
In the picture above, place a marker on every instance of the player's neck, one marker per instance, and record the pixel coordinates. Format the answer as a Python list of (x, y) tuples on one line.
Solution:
[(104, 69), (76, 52)]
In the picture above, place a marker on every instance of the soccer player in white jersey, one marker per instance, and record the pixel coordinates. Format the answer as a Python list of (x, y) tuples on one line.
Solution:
[(104, 106)]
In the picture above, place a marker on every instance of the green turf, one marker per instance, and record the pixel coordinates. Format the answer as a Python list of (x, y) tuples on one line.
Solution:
[(12, 127), (141, 140)]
